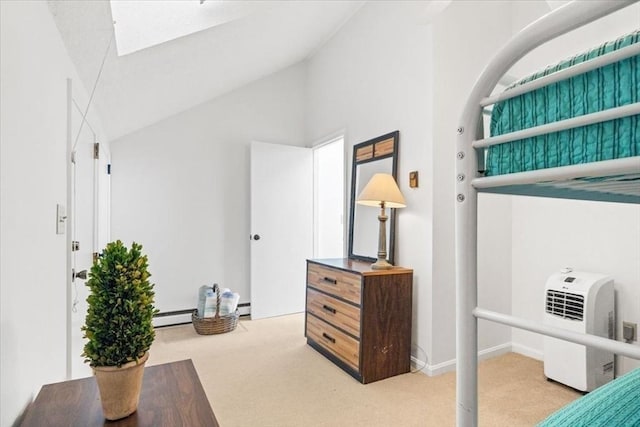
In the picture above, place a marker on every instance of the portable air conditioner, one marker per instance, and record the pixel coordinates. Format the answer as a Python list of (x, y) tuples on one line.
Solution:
[(579, 302)]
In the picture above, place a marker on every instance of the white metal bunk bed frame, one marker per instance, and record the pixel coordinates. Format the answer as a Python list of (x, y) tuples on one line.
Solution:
[(469, 160)]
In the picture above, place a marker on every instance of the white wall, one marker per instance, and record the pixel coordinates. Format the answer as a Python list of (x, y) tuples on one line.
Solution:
[(494, 270), (181, 187), (33, 115), (371, 78), (458, 60), (579, 40), (550, 234), (374, 76), (388, 69)]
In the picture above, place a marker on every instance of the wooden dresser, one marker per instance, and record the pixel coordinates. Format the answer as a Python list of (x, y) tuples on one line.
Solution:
[(360, 318)]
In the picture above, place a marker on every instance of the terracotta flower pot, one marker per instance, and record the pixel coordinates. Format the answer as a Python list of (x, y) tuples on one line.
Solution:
[(120, 387)]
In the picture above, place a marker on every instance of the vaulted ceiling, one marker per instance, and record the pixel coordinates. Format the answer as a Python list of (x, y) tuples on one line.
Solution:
[(140, 88), (194, 57)]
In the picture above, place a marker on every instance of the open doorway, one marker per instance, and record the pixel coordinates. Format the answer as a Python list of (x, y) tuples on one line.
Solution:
[(308, 223), (328, 195)]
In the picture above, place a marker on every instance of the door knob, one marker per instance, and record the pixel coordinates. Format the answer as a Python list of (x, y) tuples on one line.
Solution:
[(256, 237), (80, 275)]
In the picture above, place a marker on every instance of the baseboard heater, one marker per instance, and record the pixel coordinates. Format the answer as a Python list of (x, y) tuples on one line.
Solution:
[(181, 317)]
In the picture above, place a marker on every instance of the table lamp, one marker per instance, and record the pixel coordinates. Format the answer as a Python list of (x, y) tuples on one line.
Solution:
[(382, 191)]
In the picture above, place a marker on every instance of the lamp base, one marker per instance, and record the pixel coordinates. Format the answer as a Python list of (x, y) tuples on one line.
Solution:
[(381, 264)]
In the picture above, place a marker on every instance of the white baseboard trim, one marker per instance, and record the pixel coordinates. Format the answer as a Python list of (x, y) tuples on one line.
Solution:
[(441, 368), (418, 365), (180, 318), (496, 351), (245, 309), (527, 351), (176, 319), (450, 365)]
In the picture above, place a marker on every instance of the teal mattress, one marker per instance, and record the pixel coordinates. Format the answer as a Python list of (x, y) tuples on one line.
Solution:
[(610, 86), (614, 404)]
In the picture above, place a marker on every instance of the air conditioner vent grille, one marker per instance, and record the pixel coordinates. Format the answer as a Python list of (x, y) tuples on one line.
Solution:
[(565, 305)]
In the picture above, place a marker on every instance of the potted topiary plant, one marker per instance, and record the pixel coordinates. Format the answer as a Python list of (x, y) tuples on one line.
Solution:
[(118, 326)]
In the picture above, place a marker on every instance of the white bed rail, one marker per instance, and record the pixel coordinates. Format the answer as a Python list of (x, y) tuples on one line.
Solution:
[(565, 73), (623, 166), (617, 347), (584, 120), (552, 25)]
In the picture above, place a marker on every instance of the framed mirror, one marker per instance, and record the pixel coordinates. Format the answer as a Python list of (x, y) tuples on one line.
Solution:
[(378, 155)]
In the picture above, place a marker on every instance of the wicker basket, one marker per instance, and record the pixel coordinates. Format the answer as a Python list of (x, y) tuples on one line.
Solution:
[(217, 324)]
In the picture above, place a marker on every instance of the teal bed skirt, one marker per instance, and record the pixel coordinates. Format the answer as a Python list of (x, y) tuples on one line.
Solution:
[(616, 404), (614, 85)]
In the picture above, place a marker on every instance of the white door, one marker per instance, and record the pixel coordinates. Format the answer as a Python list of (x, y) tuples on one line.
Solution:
[(281, 227), (88, 228), (82, 230)]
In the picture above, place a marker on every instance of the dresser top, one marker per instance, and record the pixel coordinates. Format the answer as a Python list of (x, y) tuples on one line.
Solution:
[(356, 266)]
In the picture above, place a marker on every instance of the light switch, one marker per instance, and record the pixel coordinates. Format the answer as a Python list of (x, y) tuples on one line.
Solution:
[(61, 219), (413, 179)]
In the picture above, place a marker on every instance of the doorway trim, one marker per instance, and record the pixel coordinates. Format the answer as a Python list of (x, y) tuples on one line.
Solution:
[(319, 178)]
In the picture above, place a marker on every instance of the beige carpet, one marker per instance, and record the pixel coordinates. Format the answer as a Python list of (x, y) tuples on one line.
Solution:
[(263, 374)]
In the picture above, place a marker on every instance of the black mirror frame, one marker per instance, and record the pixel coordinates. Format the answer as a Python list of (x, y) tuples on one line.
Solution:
[(365, 152)]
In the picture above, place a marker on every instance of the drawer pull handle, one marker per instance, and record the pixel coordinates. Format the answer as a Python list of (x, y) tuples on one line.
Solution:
[(329, 309), (330, 338), (330, 280)]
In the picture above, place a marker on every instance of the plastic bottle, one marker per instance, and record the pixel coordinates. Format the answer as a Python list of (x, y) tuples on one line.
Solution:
[(228, 302), (210, 303), (202, 298)]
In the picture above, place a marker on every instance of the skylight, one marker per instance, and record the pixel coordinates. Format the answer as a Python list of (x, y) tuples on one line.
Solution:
[(140, 24), (554, 4)]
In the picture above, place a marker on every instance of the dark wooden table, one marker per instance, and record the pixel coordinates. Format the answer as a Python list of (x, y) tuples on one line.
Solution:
[(171, 395)]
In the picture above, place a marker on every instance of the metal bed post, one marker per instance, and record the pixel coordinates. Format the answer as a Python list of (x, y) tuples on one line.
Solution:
[(466, 273), (558, 22)]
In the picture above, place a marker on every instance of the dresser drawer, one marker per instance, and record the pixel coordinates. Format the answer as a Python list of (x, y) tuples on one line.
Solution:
[(338, 313), (340, 283), (341, 345)]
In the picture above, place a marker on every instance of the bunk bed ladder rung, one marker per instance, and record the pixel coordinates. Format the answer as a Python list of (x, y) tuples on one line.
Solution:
[(566, 73), (628, 166), (585, 120), (617, 347)]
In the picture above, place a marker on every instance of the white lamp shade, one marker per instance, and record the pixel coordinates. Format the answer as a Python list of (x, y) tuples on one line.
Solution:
[(382, 187)]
